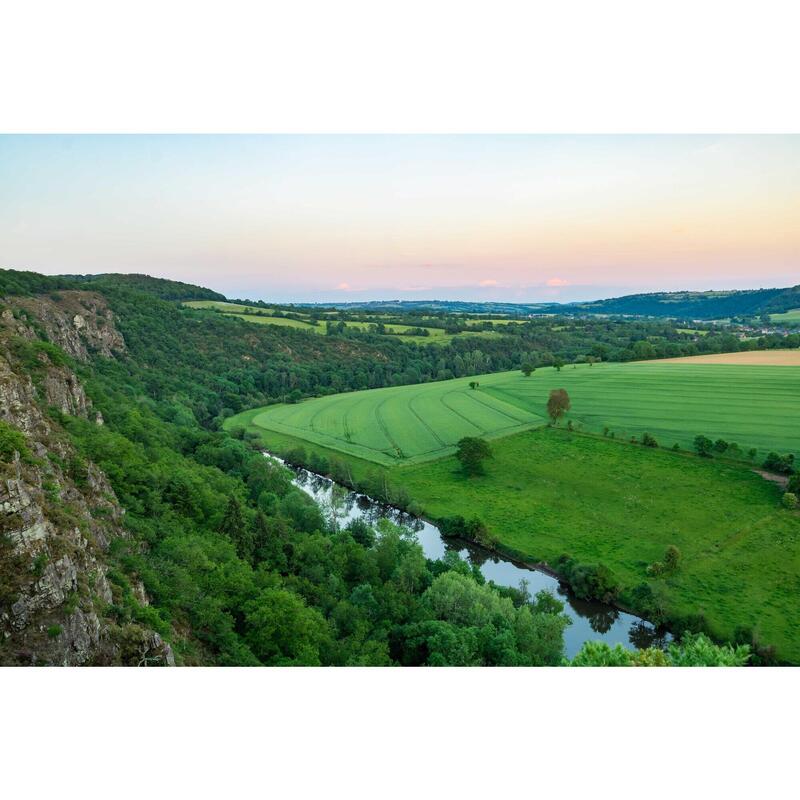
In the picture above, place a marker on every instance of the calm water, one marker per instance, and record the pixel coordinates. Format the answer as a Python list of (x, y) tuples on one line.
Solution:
[(590, 620)]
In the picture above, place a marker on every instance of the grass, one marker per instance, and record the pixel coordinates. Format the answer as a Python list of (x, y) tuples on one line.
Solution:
[(792, 316), (548, 492), (755, 406), (399, 423), (262, 316)]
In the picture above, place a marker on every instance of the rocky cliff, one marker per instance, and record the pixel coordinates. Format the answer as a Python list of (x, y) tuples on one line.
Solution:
[(58, 513)]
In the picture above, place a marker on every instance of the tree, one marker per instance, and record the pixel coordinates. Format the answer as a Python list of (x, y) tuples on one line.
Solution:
[(558, 404), (648, 440), (472, 452), (703, 446), (234, 527), (473, 384), (558, 363), (526, 369), (672, 558)]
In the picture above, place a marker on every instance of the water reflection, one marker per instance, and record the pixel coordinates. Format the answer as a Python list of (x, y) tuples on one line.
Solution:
[(590, 620)]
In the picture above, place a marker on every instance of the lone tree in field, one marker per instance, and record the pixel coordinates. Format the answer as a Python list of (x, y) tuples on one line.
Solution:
[(526, 369), (558, 404), (472, 452)]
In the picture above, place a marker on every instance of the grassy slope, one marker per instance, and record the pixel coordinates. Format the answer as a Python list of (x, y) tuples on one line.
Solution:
[(547, 492), (787, 316), (408, 423), (756, 406)]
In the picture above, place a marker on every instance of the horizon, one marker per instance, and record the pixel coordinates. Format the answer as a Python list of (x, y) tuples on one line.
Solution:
[(474, 218)]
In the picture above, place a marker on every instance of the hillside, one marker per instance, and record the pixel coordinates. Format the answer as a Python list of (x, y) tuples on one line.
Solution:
[(706, 305)]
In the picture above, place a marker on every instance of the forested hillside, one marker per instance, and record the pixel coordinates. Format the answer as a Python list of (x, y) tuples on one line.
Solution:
[(135, 532)]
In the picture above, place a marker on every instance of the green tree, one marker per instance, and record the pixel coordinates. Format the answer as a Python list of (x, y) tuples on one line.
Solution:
[(703, 446), (527, 368), (558, 404), (236, 529), (472, 452)]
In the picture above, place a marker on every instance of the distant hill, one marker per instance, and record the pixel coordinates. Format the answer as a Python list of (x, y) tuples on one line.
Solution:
[(21, 283), (696, 305), (683, 305), (157, 287)]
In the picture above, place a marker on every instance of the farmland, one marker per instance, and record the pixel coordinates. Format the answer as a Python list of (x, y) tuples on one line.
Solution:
[(551, 491), (303, 321), (791, 317), (754, 405)]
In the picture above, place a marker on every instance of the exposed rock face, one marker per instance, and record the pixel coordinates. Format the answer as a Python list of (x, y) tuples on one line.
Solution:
[(55, 595), (80, 323)]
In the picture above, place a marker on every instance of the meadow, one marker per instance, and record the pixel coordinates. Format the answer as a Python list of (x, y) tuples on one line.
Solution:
[(547, 492), (791, 317), (754, 405)]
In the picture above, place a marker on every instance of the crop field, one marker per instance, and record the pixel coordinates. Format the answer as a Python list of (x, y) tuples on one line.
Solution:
[(753, 405), (397, 424)]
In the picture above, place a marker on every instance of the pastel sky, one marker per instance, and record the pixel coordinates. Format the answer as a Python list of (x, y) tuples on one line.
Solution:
[(353, 217)]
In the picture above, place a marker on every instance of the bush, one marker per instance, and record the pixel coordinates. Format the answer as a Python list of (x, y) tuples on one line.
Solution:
[(789, 500), (781, 464), (11, 441), (703, 446), (649, 441), (589, 581)]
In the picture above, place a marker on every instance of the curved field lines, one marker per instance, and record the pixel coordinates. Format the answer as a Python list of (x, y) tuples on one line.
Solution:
[(398, 425), (754, 405)]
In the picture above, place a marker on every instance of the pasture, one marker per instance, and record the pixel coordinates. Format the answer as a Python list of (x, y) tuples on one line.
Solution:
[(792, 317), (754, 405), (548, 492)]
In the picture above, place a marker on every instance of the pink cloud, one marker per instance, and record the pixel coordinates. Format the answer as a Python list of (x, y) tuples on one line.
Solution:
[(344, 286), (488, 282), (556, 282)]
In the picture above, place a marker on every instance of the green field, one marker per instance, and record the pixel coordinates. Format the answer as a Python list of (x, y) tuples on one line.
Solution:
[(262, 316), (792, 316), (755, 406), (547, 492)]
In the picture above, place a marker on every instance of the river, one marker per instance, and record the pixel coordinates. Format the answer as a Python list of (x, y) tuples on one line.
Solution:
[(591, 621)]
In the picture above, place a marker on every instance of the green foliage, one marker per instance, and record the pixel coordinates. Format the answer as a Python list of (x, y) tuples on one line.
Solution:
[(472, 451), (782, 464), (558, 404), (703, 446), (589, 581), (693, 650), (789, 500), (11, 440)]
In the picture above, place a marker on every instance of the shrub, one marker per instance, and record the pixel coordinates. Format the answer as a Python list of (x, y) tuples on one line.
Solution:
[(703, 446), (649, 441), (53, 631), (672, 558), (789, 500), (782, 464), (11, 441), (589, 581)]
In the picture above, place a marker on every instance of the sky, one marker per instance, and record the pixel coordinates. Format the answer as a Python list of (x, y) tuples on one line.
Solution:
[(348, 218)]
